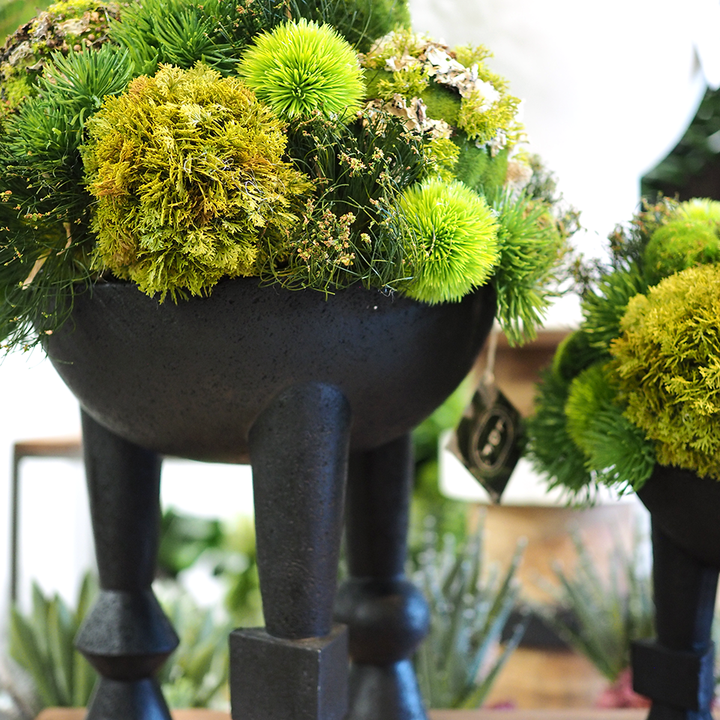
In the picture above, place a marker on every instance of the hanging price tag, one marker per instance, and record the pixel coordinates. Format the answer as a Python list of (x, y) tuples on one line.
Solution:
[(488, 439)]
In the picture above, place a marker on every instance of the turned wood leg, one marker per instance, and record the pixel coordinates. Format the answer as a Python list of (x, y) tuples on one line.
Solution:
[(297, 666), (677, 669), (386, 614), (126, 636)]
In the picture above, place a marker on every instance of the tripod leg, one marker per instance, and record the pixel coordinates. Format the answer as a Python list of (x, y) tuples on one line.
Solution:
[(676, 669), (126, 636), (387, 616), (297, 666)]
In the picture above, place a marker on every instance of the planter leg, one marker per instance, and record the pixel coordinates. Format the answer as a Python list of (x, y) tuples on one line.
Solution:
[(126, 636), (297, 666), (676, 669), (386, 614)]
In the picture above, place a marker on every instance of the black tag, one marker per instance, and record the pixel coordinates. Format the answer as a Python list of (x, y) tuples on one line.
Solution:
[(488, 439)]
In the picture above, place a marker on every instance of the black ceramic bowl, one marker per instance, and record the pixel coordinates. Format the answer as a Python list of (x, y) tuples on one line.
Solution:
[(189, 379)]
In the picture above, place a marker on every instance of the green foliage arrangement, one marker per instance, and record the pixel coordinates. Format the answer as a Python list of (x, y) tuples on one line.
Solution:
[(638, 384), (172, 143), (469, 609), (42, 644)]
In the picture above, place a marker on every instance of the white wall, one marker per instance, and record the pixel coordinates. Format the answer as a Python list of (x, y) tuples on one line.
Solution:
[(34, 403), (609, 87)]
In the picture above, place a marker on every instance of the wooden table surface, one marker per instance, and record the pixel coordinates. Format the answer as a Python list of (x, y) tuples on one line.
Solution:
[(547, 714)]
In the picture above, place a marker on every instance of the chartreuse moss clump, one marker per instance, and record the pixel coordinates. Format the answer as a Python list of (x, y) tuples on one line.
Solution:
[(690, 237), (303, 67), (187, 169), (457, 237), (668, 365)]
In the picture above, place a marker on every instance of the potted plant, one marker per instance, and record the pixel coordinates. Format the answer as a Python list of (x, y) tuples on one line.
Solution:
[(630, 401), (237, 238)]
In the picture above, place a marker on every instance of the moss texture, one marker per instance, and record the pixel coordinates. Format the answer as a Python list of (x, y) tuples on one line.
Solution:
[(188, 172), (668, 364)]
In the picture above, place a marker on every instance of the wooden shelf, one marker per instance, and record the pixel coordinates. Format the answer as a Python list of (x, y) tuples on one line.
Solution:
[(555, 714)]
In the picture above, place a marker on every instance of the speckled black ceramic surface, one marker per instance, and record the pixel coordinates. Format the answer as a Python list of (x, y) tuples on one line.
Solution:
[(189, 379), (687, 509)]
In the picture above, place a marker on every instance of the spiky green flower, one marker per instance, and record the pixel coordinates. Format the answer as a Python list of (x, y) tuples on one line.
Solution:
[(303, 67), (690, 237), (457, 236), (188, 171), (668, 367), (530, 248)]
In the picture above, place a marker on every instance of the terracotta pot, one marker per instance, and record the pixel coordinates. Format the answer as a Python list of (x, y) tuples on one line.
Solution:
[(190, 379)]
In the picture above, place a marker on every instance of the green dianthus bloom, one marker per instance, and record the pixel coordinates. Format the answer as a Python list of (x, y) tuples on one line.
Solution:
[(300, 68), (457, 237)]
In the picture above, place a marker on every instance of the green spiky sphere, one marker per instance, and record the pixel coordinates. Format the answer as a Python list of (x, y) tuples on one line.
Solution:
[(457, 236), (690, 237), (300, 68)]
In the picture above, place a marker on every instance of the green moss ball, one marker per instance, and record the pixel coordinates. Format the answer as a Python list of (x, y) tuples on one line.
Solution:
[(456, 234), (690, 237), (668, 364), (187, 168), (300, 68)]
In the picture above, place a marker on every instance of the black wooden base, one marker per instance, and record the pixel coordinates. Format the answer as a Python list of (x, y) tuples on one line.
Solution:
[(279, 679), (388, 692)]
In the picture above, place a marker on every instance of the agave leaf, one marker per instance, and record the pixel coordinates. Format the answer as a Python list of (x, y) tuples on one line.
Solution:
[(476, 696), (27, 652), (61, 649)]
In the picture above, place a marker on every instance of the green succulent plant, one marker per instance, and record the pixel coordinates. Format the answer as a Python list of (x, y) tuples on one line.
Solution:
[(458, 662), (605, 612), (301, 68)]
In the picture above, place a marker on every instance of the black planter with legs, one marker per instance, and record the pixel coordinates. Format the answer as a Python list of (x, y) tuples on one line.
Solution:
[(312, 391)]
